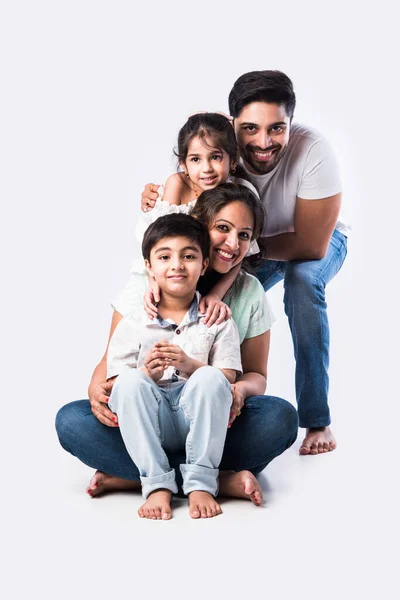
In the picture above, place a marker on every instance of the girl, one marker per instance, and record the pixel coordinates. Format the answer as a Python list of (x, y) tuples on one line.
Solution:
[(207, 155)]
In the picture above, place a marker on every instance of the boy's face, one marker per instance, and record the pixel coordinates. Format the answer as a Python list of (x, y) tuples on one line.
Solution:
[(176, 265)]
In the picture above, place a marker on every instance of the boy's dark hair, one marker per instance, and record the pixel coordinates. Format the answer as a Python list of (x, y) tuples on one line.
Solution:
[(212, 128), (262, 86), (171, 226)]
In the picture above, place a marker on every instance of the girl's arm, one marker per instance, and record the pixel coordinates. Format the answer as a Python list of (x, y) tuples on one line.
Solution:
[(211, 304), (175, 190), (100, 389)]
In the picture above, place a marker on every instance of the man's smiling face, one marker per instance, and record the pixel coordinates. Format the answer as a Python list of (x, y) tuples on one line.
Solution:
[(262, 132)]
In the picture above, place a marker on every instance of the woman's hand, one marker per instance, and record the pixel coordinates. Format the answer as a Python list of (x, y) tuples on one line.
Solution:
[(215, 310), (154, 364), (99, 395), (238, 398), (149, 196), (151, 299)]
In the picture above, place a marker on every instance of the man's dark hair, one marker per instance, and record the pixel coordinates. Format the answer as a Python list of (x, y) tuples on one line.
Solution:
[(262, 86), (172, 226)]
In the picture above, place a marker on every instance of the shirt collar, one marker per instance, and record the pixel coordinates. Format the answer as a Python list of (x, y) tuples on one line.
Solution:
[(191, 316)]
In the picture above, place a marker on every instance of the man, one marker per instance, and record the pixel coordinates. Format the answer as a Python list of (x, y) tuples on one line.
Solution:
[(296, 175)]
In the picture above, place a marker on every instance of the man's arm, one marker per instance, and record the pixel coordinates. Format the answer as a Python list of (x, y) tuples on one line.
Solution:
[(314, 222)]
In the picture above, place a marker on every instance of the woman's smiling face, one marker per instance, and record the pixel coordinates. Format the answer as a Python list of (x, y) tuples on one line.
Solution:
[(230, 235)]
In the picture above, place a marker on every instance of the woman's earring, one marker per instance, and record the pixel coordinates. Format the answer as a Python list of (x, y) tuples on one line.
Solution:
[(186, 174)]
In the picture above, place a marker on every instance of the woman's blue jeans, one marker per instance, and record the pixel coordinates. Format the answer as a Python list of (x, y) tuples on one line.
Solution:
[(305, 307), (266, 427)]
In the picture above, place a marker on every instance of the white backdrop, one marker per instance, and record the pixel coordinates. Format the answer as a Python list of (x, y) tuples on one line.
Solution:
[(93, 95)]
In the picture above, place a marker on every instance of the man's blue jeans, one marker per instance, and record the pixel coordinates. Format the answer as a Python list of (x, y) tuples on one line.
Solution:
[(305, 307), (266, 427)]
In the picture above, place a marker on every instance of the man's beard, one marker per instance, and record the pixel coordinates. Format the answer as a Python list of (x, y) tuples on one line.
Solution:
[(262, 167)]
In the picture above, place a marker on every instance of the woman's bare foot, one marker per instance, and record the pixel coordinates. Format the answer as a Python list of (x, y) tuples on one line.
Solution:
[(157, 506), (202, 504), (101, 483), (240, 485), (317, 441)]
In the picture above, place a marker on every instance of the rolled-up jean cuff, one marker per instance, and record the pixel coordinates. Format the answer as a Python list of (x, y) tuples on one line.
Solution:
[(196, 478), (165, 481)]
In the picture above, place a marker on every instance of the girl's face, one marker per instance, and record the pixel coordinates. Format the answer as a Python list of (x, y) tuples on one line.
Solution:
[(230, 236), (206, 166)]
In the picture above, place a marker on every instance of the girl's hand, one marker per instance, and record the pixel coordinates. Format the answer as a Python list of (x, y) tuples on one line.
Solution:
[(154, 365), (149, 196), (238, 399), (99, 395), (151, 299), (175, 357), (216, 311)]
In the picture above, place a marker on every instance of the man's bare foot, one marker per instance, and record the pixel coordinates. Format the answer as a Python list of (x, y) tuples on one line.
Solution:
[(157, 506), (317, 441), (101, 483), (202, 504), (240, 485)]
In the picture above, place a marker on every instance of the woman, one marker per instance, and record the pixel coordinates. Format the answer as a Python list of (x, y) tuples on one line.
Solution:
[(263, 426)]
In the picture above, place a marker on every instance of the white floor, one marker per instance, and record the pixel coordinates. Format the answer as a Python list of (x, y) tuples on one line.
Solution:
[(324, 531)]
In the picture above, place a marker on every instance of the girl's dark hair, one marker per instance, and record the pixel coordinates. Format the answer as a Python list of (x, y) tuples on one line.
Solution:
[(213, 129), (262, 86), (210, 202)]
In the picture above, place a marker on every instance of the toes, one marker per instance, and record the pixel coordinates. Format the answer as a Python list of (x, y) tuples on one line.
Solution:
[(305, 449), (203, 511), (165, 512), (194, 512)]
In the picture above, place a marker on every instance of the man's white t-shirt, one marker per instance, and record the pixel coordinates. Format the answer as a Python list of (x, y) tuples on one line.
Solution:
[(307, 170)]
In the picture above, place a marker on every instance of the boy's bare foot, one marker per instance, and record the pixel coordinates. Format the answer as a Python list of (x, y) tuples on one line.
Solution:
[(240, 485), (157, 506), (317, 441), (202, 504), (101, 483)]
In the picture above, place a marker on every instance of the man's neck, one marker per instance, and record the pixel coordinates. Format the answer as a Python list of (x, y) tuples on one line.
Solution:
[(172, 307)]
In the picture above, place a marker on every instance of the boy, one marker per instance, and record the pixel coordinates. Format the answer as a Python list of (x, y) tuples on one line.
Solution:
[(174, 374)]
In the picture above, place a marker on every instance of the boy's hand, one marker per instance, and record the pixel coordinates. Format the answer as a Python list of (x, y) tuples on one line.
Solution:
[(215, 310), (149, 196), (177, 358), (154, 364), (151, 299), (238, 399)]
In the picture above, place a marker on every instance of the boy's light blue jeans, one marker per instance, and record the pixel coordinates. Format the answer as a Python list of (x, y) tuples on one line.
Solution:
[(305, 307), (193, 415)]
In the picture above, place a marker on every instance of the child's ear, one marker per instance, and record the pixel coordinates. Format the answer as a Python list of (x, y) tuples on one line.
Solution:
[(183, 167), (148, 267), (205, 265), (232, 167)]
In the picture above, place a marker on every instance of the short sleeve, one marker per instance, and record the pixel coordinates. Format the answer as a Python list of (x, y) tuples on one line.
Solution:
[(261, 316), (124, 346), (251, 310), (320, 177), (225, 351), (131, 297)]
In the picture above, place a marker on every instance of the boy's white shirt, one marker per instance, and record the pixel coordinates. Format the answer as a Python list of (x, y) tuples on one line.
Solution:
[(136, 334)]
